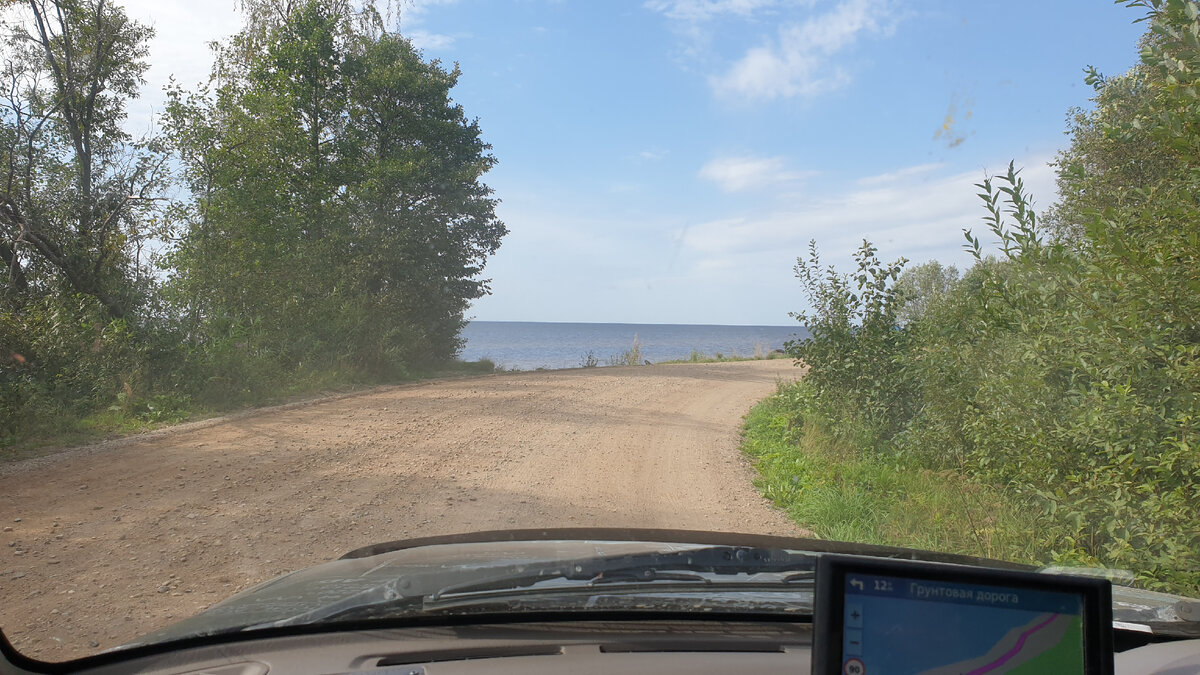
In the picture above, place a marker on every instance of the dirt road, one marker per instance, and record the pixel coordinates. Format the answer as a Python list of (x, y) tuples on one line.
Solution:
[(105, 543)]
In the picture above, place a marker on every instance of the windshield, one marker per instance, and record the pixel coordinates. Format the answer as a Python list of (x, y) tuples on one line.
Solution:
[(511, 577), (286, 279)]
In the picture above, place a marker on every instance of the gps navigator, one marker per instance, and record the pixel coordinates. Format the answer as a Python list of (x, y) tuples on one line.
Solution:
[(893, 616)]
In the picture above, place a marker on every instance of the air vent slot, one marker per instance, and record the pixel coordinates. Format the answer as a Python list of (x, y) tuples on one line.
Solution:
[(740, 646), (498, 652)]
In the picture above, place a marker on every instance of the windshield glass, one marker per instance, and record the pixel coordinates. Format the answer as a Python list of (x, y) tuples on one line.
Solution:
[(512, 577), (283, 279)]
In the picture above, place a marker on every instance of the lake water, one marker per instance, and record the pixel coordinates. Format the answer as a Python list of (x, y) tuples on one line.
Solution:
[(529, 345)]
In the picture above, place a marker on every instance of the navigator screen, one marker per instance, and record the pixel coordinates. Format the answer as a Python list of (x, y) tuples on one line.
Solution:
[(876, 614), (894, 624)]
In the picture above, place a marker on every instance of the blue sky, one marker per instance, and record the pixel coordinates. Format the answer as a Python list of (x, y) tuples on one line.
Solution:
[(665, 161)]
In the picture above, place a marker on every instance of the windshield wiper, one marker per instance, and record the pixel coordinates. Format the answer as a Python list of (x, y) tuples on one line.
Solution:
[(719, 560), (729, 567)]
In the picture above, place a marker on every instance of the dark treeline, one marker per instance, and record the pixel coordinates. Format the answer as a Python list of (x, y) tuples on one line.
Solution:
[(1065, 370), (313, 215)]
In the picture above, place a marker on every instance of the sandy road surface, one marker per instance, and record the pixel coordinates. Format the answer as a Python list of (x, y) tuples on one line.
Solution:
[(114, 540)]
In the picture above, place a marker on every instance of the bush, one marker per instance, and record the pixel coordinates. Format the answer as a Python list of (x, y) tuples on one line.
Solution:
[(1051, 373), (1065, 372), (854, 342), (630, 357), (840, 493), (65, 357)]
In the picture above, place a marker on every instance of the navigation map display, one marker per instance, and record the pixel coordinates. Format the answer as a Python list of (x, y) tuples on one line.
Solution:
[(979, 629), (947, 623)]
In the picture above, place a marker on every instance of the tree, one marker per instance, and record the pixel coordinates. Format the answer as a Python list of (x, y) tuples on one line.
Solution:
[(263, 152), (920, 287), (1104, 168), (426, 224), (76, 187), (338, 211), (78, 312)]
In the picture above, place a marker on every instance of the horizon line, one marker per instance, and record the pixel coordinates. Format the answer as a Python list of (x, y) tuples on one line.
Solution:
[(634, 323)]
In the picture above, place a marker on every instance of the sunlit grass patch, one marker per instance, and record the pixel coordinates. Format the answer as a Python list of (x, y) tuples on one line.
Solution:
[(842, 494)]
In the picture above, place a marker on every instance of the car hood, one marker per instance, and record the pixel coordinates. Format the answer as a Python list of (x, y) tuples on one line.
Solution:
[(425, 566)]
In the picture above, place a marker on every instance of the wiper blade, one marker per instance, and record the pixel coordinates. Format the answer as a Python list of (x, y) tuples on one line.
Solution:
[(665, 594), (637, 576), (727, 566), (722, 560)]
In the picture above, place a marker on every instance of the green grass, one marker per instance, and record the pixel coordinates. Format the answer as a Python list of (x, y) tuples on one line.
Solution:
[(630, 357), (47, 438), (838, 493), (720, 357), (458, 369)]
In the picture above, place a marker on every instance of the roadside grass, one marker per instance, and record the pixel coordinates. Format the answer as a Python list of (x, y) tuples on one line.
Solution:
[(838, 493), (760, 354), (630, 357), (132, 417), (458, 369)]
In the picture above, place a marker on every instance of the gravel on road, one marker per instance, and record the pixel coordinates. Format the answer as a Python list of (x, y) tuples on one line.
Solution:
[(103, 543)]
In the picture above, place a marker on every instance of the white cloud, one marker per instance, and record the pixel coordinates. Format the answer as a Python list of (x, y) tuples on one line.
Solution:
[(906, 212), (894, 176), (735, 174), (412, 14), (799, 62), (704, 10), (698, 22), (652, 155), (423, 39), (413, 8)]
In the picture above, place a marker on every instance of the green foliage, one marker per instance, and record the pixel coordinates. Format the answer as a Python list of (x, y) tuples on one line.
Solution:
[(1066, 371), (839, 493), (366, 251), (66, 358), (921, 288), (1105, 380), (79, 321), (630, 357), (760, 354), (853, 344), (334, 231), (76, 205), (481, 367)]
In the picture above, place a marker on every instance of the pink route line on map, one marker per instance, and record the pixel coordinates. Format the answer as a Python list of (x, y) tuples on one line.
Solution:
[(1006, 656)]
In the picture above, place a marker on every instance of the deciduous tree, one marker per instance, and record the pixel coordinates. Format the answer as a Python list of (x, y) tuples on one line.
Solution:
[(75, 187)]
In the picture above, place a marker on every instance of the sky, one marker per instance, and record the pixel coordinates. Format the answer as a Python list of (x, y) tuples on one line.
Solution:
[(666, 161)]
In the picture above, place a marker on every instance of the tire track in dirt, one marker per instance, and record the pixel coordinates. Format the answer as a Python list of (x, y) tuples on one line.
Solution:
[(105, 543)]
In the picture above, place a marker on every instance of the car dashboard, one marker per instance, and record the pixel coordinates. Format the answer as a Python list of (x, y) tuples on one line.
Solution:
[(663, 647)]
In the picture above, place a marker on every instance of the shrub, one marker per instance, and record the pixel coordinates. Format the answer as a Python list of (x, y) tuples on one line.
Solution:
[(630, 357), (1063, 371), (854, 341)]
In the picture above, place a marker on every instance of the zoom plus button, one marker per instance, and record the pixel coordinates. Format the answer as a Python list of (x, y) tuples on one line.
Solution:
[(854, 615)]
